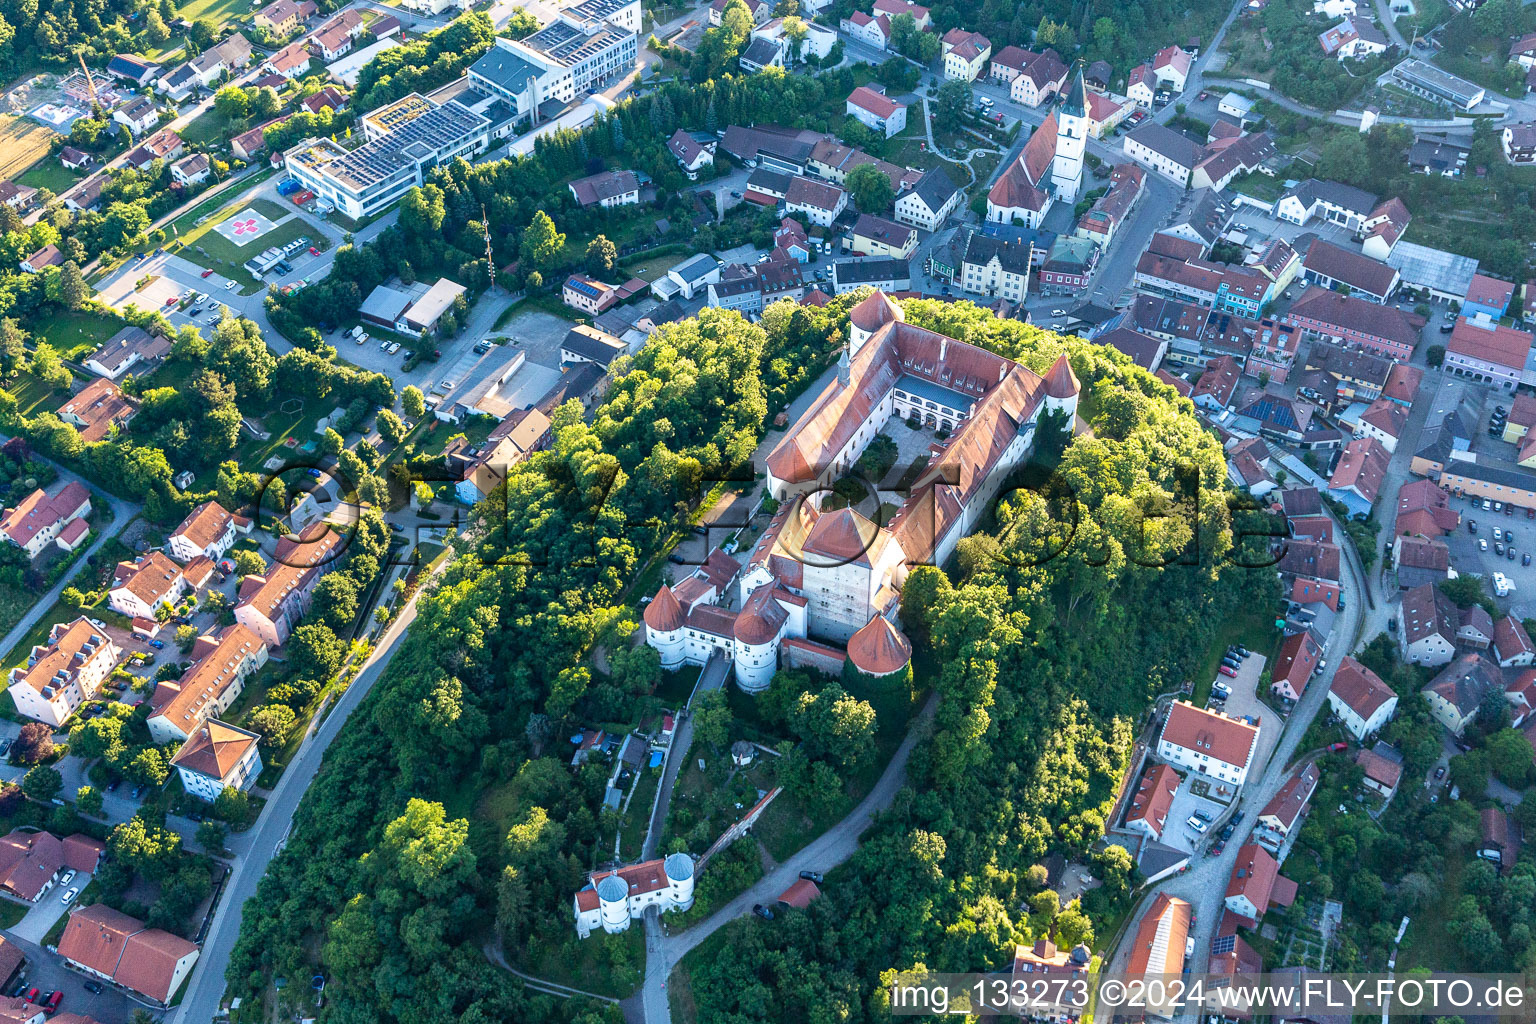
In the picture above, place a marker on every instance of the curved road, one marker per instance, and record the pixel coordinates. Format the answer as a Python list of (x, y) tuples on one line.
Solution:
[(825, 852), (263, 842), (1204, 884)]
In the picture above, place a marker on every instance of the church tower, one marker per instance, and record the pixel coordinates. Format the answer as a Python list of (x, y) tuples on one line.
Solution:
[(1071, 141)]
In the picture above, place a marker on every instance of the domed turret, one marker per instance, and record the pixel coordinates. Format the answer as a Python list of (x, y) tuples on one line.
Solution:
[(879, 648), (679, 869), (613, 902)]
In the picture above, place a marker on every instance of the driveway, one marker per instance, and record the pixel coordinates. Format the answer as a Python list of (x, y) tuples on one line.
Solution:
[(45, 913)]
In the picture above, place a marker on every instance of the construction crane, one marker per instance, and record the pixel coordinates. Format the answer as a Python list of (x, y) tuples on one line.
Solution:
[(90, 82)]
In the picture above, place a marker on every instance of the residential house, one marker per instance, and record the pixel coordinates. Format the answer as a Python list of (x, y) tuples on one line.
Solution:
[(292, 61), (139, 115), (1360, 700), (129, 347), (1294, 663), (587, 344), (112, 946), (1040, 80), (1225, 160), (893, 9), (1438, 156), (515, 439), (1357, 476), (40, 519), (1256, 884), (687, 278), (1141, 86), (965, 54), (691, 155), (1281, 817), (49, 255), (867, 29), (1248, 465), (330, 98), (607, 189), (1354, 38), (222, 664), (130, 67), (762, 53), (1336, 203), (1487, 296), (790, 239), (153, 581), (17, 197), (1110, 210), (1420, 560), (284, 17), (191, 170), (820, 202), (1170, 66), (1384, 330), (1511, 643), (1148, 812), (1165, 151), (1068, 266), (1455, 694), (929, 202), (163, 145), (1388, 222), (1329, 266), (74, 159), (1519, 143), (587, 294), (1383, 421), (31, 863), (1500, 842), (334, 39), (98, 410), (1382, 771), (271, 605), (209, 531), (876, 236), (216, 757), (881, 274), (870, 106), (1486, 352), (1208, 742), (65, 672), (1216, 386)]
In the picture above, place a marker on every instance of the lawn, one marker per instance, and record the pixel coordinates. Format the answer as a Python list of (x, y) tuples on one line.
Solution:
[(11, 913), (632, 832), (212, 250), (77, 334), (33, 396), (218, 11), (22, 144), (49, 174)]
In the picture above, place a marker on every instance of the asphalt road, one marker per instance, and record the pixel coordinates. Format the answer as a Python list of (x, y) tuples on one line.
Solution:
[(258, 846), (1204, 884), (825, 852)]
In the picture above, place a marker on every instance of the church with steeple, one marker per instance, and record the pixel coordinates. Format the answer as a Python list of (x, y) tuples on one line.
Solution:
[(1050, 169)]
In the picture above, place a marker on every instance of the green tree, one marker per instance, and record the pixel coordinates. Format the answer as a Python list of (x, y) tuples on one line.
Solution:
[(391, 427), (412, 402), (602, 254), (273, 722), (232, 103), (249, 563), (542, 244), (232, 806), (88, 800), (211, 836), (316, 647), (713, 720), (42, 783), (953, 100), (73, 291), (871, 187)]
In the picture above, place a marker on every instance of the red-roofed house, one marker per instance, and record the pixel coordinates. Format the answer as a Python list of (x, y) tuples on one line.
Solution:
[(1208, 742), (1357, 477), (1511, 643), (40, 519), (1282, 815), (877, 111), (1487, 352), (1382, 773), (1256, 884), (1171, 67), (111, 945), (1216, 386), (1487, 295), (1154, 796), (1298, 657)]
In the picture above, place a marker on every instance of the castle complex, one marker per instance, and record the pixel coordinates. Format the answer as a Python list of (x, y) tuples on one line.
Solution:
[(816, 576)]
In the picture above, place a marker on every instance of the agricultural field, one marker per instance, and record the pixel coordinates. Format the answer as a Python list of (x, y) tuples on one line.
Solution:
[(22, 144)]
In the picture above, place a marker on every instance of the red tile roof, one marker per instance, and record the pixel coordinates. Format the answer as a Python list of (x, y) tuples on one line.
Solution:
[(1154, 796), (879, 648), (1225, 739)]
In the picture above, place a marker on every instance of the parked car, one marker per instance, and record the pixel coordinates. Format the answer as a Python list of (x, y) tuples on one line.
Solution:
[(32, 994), (1471, 525), (1227, 670), (228, 285), (1482, 545), (1237, 819), (158, 645), (54, 1001), (68, 876), (1498, 548), (766, 913), (1221, 844), (69, 895), (811, 876), (208, 273), (93, 986), (1336, 747), (1510, 554), (1197, 825)]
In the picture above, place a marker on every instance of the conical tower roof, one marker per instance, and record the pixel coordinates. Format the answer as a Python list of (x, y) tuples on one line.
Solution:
[(1077, 99), (664, 613), (1060, 381), (879, 648)]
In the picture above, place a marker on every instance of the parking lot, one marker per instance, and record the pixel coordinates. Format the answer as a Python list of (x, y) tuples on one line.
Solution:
[(47, 973)]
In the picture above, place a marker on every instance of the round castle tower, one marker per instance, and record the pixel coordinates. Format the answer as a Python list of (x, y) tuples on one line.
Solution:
[(613, 903), (679, 869), (664, 622)]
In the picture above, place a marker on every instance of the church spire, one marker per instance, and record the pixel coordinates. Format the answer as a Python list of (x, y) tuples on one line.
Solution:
[(1077, 99), (844, 371)]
